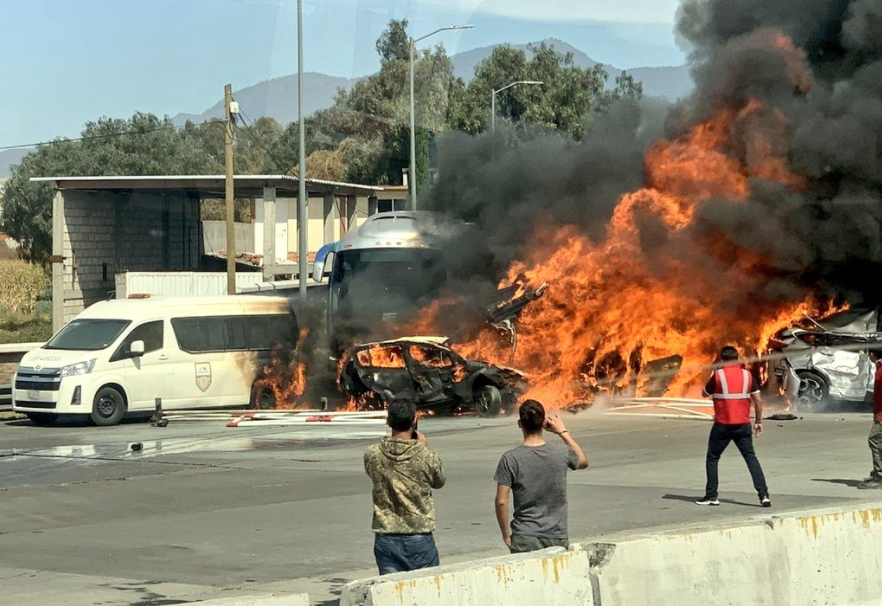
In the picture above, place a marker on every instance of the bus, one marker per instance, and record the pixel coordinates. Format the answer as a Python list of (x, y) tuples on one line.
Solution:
[(380, 274)]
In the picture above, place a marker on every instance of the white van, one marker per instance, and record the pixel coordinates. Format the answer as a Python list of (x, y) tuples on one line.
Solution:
[(118, 356)]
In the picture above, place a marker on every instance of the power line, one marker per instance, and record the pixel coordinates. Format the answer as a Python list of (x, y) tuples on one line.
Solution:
[(248, 130), (109, 135)]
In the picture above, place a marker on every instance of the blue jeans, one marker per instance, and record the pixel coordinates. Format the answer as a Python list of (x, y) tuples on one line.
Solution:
[(720, 436), (403, 552)]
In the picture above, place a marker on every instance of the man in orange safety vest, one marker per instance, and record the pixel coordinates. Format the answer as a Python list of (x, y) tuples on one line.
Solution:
[(733, 390)]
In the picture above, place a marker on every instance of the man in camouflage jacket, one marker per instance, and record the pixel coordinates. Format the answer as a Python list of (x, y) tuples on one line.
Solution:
[(404, 471)]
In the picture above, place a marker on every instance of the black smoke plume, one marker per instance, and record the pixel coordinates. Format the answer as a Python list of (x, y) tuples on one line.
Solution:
[(816, 63)]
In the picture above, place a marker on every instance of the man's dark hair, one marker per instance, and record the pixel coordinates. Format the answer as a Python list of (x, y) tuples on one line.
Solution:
[(401, 414), (728, 353), (532, 415)]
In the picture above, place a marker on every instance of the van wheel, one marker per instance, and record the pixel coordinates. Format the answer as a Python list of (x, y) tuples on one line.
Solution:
[(488, 401), (108, 407), (262, 398), (43, 419)]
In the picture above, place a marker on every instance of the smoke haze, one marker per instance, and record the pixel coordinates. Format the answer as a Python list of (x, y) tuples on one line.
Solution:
[(803, 80)]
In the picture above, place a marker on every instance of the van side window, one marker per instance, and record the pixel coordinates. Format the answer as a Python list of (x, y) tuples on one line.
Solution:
[(151, 333), (264, 332), (234, 333), (199, 334)]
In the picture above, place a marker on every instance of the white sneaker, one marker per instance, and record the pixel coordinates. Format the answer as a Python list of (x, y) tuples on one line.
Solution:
[(715, 502)]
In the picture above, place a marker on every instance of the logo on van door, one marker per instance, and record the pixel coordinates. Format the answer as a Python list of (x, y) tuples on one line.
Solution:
[(203, 376)]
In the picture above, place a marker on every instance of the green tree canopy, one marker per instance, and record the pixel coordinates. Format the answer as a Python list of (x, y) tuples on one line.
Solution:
[(394, 43), (566, 100), (140, 145)]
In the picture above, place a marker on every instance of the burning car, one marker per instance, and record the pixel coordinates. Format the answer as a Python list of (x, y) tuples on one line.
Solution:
[(427, 370), (827, 360)]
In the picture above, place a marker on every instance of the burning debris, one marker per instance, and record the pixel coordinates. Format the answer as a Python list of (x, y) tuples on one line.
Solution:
[(426, 370), (283, 380), (753, 202)]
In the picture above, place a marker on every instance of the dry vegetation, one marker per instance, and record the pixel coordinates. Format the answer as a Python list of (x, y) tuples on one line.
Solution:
[(24, 318)]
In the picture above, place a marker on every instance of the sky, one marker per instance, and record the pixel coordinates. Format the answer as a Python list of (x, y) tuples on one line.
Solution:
[(70, 61)]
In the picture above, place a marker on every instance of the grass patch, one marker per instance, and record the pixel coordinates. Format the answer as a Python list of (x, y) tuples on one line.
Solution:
[(18, 327)]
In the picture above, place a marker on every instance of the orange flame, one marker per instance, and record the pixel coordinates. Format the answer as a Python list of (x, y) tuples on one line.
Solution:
[(613, 305), (285, 378)]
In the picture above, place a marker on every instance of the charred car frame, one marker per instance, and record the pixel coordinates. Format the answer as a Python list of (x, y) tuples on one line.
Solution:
[(434, 376), (827, 360)]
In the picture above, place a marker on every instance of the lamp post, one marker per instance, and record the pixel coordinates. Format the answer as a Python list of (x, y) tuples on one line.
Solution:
[(302, 220), (412, 172), (493, 99)]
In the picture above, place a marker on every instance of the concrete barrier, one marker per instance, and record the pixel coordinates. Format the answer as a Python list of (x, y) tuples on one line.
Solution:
[(548, 578), (293, 599), (831, 557)]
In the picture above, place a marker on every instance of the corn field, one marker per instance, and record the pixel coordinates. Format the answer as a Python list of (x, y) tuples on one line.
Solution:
[(20, 285)]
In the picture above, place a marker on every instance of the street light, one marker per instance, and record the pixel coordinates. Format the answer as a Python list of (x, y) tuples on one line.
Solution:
[(412, 172), (493, 99)]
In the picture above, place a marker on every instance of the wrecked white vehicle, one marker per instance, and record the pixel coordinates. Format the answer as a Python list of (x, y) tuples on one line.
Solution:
[(425, 370), (827, 361)]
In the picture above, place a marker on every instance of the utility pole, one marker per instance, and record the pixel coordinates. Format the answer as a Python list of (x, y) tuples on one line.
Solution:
[(302, 218), (412, 173), (228, 161)]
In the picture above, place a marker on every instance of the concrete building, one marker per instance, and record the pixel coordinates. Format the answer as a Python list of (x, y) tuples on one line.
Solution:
[(103, 226)]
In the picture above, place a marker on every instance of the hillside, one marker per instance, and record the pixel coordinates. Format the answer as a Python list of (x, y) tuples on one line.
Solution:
[(278, 98), (669, 82)]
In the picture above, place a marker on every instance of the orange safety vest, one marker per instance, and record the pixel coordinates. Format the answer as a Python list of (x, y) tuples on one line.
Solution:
[(732, 387)]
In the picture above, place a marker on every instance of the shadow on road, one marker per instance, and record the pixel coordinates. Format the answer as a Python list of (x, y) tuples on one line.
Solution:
[(849, 483), (692, 499)]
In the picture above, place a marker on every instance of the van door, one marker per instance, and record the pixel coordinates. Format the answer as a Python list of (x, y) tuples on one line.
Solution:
[(210, 367), (148, 376)]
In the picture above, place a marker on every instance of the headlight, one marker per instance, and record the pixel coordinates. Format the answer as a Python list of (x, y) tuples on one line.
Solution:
[(80, 368)]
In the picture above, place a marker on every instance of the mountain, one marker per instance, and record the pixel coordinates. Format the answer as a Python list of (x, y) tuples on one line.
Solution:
[(10, 158), (670, 82), (278, 98)]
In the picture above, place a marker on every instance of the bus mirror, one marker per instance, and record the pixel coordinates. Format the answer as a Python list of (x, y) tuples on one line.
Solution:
[(136, 349), (318, 266)]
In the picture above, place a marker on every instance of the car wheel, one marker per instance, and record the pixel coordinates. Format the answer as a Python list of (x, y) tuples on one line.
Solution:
[(813, 391), (108, 407), (42, 419), (263, 398), (488, 401)]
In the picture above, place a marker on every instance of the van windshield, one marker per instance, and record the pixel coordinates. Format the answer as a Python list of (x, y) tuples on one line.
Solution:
[(88, 335)]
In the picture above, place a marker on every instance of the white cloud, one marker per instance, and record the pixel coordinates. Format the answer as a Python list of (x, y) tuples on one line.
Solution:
[(631, 11)]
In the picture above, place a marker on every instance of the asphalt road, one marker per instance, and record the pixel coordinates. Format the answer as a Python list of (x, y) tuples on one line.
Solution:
[(208, 511)]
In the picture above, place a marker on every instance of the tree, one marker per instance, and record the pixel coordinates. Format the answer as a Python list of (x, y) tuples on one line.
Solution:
[(254, 145), (566, 101), (394, 43), (141, 145)]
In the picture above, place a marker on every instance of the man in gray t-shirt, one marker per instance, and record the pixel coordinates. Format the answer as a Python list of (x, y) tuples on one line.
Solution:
[(536, 472)]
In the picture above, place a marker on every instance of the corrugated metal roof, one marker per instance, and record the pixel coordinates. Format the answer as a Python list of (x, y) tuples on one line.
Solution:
[(205, 183)]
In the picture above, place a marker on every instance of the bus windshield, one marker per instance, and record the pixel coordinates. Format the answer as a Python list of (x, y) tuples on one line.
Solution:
[(389, 276)]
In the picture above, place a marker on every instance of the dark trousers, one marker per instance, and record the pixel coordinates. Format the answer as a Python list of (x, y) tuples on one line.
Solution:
[(719, 439), (523, 544), (875, 441), (403, 552)]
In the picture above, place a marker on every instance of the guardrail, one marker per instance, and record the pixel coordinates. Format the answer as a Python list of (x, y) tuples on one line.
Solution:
[(5, 398)]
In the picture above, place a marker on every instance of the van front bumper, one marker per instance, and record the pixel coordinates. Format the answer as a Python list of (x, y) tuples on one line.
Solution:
[(69, 395)]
